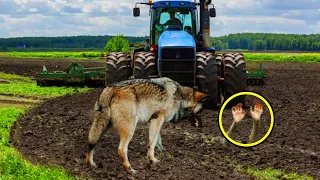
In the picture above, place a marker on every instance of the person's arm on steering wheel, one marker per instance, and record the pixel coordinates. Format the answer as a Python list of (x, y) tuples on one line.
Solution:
[(161, 27)]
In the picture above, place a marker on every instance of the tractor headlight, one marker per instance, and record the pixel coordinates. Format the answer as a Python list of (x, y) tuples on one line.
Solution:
[(182, 4), (167, 3)]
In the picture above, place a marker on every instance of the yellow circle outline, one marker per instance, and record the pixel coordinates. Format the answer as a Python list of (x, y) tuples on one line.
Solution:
[(252, 94)]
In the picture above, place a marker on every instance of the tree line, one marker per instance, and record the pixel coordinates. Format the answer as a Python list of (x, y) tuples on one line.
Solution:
[(245, 41), (63, 42), (267, 41)]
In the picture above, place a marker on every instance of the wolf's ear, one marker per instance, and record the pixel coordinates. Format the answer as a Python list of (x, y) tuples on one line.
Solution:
[(200, 97)]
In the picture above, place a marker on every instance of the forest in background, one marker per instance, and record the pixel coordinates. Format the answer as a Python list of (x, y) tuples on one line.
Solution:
[(243, 41)]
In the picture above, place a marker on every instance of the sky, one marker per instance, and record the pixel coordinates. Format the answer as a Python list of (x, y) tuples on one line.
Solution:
[(20, 18)]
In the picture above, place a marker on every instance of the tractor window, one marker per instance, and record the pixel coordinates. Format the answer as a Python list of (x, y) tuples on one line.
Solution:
[(164, 17), (185, 18), (161, 18)]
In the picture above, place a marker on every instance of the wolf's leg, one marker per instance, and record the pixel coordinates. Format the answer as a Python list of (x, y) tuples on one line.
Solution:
[(126, 131), (154, 131), (238, 115), (98, 128), (256, 116), (159, 142)]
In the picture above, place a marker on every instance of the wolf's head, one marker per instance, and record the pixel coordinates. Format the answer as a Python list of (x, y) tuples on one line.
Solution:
[(191, 102), (192, 99)]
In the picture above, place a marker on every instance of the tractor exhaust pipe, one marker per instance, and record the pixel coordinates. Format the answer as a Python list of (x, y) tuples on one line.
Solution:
[(205, 22)]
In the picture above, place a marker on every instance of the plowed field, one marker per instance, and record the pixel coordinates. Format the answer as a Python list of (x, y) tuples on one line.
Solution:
[(56, 132)]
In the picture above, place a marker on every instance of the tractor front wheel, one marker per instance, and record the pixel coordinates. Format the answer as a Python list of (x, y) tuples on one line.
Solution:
[(117, 67), (145, 65), (207, 77)]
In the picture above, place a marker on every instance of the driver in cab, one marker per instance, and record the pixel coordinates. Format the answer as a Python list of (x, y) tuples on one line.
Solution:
[(173, 20)]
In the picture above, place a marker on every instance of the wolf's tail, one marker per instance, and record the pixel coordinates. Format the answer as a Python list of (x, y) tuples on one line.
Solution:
[(101, 117)]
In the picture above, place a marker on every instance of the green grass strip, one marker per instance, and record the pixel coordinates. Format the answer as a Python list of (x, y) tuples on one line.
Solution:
[(274, 174), (80, 55), (32, 90), (12, 164), (13, 77), (250, 56), (24, 86), (282, 57)]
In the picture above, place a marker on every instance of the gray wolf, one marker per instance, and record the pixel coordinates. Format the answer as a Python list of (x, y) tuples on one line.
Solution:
[(124, 104)]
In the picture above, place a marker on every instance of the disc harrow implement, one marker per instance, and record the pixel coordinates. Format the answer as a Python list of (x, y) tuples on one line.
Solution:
[(73, 75), (257, 78)]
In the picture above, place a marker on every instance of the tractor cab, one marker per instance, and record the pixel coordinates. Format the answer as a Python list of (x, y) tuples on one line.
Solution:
[(165, 15), (163, 18)]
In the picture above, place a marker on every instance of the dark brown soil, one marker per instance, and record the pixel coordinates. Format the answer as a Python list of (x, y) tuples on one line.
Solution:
[(56, 132), (33, 67)]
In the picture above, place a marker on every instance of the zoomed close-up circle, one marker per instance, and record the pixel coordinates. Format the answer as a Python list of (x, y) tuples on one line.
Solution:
[(271, 119)]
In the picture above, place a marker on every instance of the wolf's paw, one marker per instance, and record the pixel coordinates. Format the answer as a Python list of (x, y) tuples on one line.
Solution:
[(154, 161), (93, 164), (132, 172), (90, 162)]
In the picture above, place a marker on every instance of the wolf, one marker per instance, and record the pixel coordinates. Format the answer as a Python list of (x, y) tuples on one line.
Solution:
[(124, 104)]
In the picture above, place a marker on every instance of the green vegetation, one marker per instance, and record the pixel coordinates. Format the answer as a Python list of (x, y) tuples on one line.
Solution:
[(24, 86), (62, 42), (13, 77), (54, 50), (32, 90), (274, 174), (250, 56), (249, 41), (12, 164), (118, 44), (268, 41), (76, 55), (284, 57)]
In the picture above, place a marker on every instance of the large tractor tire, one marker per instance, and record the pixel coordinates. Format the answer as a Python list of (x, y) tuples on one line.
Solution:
[(207, 77), (145, 65), (117, 67), (235, 79), (219, 60)]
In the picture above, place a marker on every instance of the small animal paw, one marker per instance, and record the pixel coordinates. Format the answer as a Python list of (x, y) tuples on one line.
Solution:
[(133, 172), (93, 164), (154, 161)]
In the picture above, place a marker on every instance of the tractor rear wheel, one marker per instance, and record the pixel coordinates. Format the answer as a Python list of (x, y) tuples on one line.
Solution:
[(235, 79), (117, 67), (207, 77), (145, 65)]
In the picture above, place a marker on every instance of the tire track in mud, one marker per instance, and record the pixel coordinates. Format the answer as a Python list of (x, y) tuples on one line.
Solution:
[(56, 132)]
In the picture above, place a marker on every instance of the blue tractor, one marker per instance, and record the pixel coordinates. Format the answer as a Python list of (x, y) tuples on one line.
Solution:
[(179, 47)]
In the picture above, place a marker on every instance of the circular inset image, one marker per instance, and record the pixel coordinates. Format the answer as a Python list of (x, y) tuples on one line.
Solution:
[(246, 126)]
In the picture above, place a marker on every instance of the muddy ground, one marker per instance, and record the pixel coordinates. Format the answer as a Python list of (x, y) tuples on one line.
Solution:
[(56, 132)]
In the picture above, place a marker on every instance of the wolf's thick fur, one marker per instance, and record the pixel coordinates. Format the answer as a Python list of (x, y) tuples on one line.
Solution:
[(122, 105)]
